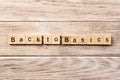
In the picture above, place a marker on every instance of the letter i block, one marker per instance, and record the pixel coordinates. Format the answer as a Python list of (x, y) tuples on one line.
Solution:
[(90, 39), (29, 39), (66, 40), (37, 39), (12, 39)]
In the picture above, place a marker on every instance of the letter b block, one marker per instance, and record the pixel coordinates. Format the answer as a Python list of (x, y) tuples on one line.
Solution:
[(12, 39), (66, 40)]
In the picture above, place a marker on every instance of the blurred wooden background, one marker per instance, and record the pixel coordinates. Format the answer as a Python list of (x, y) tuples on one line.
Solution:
[(57, 62)]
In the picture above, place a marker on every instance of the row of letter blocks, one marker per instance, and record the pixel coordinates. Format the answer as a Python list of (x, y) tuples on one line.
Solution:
[(60, 39)]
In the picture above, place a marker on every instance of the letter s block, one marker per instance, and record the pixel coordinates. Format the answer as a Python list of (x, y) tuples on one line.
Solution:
[(107, 40)]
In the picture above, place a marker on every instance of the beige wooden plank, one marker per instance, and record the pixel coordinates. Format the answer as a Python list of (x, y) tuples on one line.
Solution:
[(68, 28), (60, 10), (62, 68)]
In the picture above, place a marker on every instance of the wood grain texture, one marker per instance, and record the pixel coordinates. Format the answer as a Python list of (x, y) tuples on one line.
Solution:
[(59, 10), (60, 68), (63, 28), (58, 62)]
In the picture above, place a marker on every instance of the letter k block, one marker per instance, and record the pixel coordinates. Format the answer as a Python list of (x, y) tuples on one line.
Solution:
[(37, 39)]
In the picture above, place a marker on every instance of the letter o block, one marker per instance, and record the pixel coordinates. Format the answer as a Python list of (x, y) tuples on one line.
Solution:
[(56, 39)]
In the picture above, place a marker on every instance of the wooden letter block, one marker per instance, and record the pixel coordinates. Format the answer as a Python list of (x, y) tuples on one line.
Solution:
[(12, 39), (75, 40), (107, 39), (90, 39), (83, 39), (37, 39), (56, 39), (96, 40), (29, 39), (47, 39), (66, 40), (20, 39)]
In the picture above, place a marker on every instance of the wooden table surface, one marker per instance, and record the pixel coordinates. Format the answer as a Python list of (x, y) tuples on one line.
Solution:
[(58, 62)]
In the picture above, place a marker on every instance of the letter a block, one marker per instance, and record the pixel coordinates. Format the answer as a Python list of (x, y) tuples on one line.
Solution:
[(20, 39), (74, 39)]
